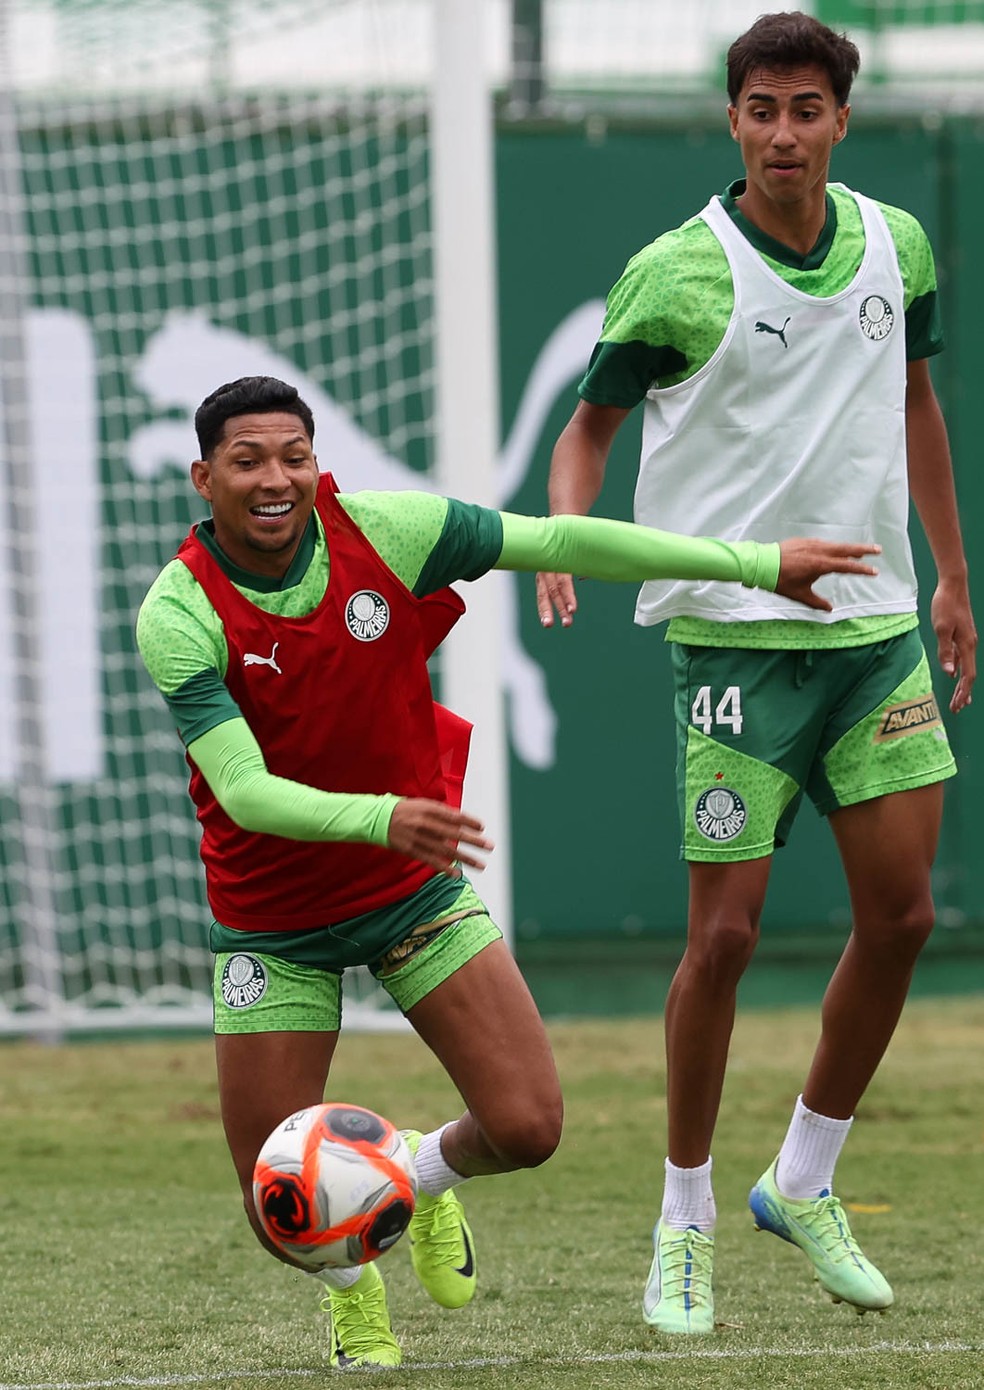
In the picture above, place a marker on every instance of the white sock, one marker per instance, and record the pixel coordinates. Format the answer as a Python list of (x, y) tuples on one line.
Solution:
[(688, 1199), (810, 1150), (434, 1174), (338, 1279)]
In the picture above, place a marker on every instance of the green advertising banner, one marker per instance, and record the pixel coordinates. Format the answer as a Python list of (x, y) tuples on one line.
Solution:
[(884, 14), (170, 250)]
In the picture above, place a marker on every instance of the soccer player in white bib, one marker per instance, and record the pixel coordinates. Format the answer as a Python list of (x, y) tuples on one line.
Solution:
[(779, 341)]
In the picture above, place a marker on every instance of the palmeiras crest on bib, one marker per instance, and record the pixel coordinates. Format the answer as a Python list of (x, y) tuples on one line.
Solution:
[(877, 318), (367, 615), (244, 981), (720, 814)]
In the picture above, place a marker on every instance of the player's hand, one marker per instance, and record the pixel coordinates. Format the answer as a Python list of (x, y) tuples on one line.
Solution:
[(436, 834), (555, 591), (956, 639), (803, 561)]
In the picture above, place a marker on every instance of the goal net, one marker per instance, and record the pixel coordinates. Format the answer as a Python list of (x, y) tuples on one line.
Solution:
[(191, 192)]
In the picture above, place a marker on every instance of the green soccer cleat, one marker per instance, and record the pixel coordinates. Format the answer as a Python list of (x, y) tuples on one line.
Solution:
[(360, 1333), (678, 1295), (441, 1248), (820, 1228)]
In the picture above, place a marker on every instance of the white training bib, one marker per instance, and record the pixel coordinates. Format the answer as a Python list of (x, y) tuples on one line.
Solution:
[(795, 427)]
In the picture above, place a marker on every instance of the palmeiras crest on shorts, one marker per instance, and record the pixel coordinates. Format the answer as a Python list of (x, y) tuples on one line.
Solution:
[(877, 317), (367, 615), (720, 814), (244, 981)]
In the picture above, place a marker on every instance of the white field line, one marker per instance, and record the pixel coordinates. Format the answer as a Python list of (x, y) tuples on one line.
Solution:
[(490, 1362)]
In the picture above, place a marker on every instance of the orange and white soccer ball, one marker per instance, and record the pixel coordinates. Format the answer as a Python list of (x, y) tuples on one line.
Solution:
[(334, 1185)]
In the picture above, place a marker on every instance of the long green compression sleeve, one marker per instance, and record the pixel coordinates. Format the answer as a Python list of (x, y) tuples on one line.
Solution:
[(231, 760), (232, 763), (618, 550)]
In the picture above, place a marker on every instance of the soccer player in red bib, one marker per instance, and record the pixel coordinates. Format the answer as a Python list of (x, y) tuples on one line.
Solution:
[(290, 638)]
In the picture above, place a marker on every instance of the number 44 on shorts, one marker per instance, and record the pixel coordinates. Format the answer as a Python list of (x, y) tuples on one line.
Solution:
[(707, 715)]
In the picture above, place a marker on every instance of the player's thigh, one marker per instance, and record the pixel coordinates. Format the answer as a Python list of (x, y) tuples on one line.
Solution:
[(483, 1026), (748, 724), (887, 846), (276, 1026), (725, 905), (885, 735)]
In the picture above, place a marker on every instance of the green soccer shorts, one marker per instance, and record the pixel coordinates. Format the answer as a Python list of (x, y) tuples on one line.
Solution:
[(291, 982), (755, 729)]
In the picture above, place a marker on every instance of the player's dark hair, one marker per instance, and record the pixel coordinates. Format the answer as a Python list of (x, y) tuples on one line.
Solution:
[(792, 39), (250, 395)]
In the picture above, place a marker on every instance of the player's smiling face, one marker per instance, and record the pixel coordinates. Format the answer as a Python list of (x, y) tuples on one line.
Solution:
[(260, 481), (786, 121)]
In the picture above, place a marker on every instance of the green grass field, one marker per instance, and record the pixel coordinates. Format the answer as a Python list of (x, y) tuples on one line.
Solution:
[(126, 1260)]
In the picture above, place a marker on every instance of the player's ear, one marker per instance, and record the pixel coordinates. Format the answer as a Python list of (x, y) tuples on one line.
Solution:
[(843, 115), (201, 477), (733, 119)]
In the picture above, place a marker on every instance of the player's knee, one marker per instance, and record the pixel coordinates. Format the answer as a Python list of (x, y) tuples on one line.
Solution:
[(901, 934), (528, 1138), (722, 950), (917, 926)]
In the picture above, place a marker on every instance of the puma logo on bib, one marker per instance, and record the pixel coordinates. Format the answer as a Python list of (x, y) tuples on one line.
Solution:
[(780, 333), (253, 659)]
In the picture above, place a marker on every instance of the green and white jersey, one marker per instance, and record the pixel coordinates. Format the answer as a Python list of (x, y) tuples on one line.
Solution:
[(668, 313), (426, 540), (668, 317)]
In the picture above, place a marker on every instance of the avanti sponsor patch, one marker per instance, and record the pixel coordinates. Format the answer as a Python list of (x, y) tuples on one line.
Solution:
[(908, 717)]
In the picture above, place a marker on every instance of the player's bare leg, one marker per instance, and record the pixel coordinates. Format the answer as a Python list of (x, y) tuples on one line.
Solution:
[(263, 1077), (725, 905), (484, 1027), (887, 846)]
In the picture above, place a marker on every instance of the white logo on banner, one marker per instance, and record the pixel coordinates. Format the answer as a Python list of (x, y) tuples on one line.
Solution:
[(181, 364)]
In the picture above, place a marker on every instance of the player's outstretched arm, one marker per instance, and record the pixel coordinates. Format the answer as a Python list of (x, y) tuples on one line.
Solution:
[(621, 551), (803, 561)]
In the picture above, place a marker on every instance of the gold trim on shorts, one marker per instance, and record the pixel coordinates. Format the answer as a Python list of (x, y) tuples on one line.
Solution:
[(420, 938)]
